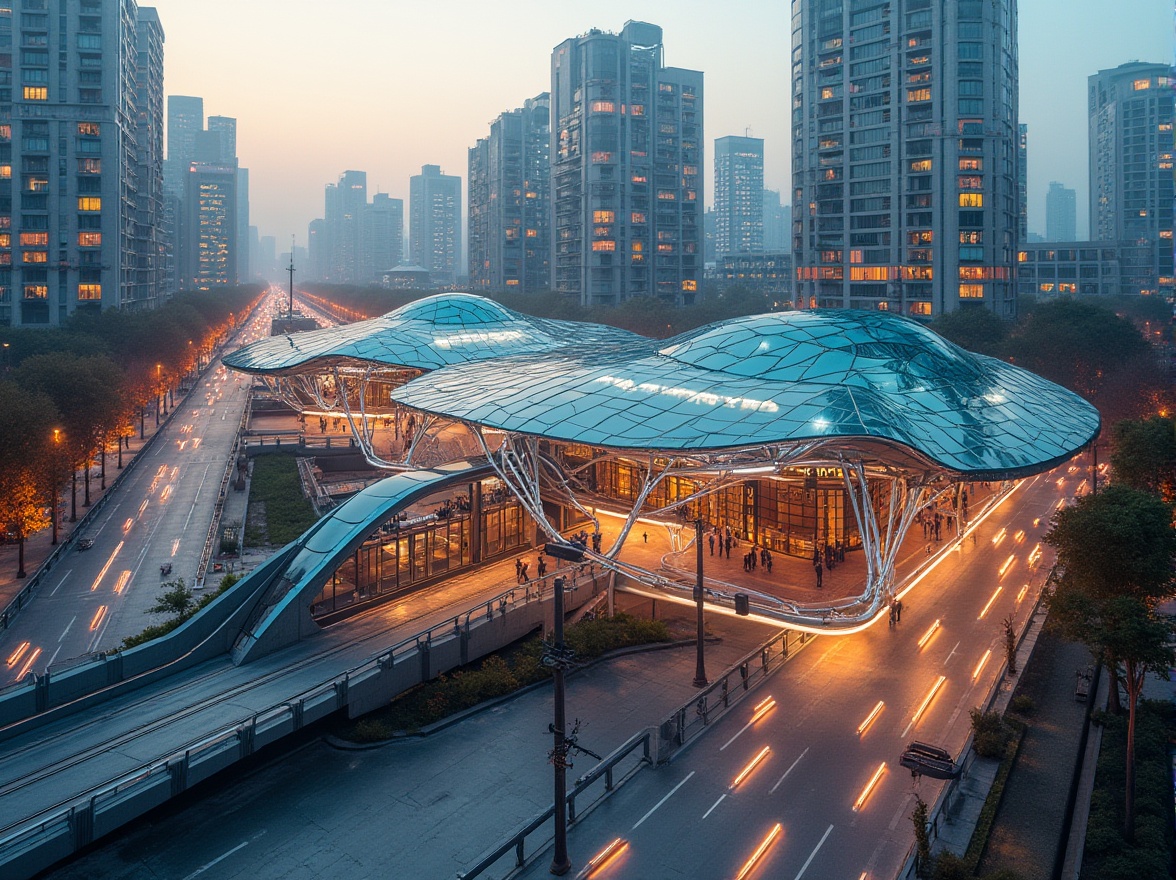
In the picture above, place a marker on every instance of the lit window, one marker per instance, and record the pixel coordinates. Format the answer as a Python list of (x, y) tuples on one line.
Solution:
[(921, 165), (639, 178), (665, 248), (36, 93), (974, 236), (870, 273), (970, 181), (666, 196), (89, 239), (921, 236), (689, 284), (5, 172), (604, 216), (638, 258), (971, 291), (94, 203), (920, 308), (512, 282), (604, 107), (35, 257), (602, 156), (971, 164), (5, 239), (637, 217), (638, 247), (607, 245), (918, 95), (89, 291), (34, 239), (636, 109), (89, 166), (37, 184), (36, 291), (1139, 85), (89, 128), (1022, 256), (1046, 288), (971, 200), (532, 233)]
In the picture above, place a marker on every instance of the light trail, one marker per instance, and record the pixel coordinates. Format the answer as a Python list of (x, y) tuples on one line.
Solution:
[(990, 601), (746, 771), (930, 632), (24, 670), (870, 718), (605, 857), (980, 666), (1008, 563), (105, 568), (98, 617), (998, 537), (861, 801), (765, 706), (166, 493), (143, 506), (764, 846), (1019, 536), (123, 579), (15, 656), (175, 546), (1021, 595), (127, 524), (1035, 555), (927, 699)]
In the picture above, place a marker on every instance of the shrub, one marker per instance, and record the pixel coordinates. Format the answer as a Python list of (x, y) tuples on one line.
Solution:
[(949, 866), (990, 734), (369, 730), (1022, 704)]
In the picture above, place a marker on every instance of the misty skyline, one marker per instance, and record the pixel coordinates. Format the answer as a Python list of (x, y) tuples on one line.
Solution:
[(391, 87)]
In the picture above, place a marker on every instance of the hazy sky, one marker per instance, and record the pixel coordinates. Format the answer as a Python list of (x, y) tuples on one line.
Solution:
[(385, 86)]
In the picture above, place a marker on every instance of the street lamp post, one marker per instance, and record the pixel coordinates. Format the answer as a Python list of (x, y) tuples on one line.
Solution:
[(158, 390), (700, 662), (53, 479), (557, 658)]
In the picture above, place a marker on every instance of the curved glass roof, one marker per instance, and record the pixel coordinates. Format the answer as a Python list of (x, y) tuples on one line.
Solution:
[(781, 377), (437, 331)]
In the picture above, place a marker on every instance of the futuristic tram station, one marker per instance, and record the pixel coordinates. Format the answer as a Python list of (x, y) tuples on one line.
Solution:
[(803, 433)]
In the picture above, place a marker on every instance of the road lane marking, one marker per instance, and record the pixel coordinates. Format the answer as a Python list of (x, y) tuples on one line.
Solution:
[(54, 657), (760, 710), (217, 860), (947, 659), (722, 798), (772, 790), (813, 854), (64, 578), (662, 801), (67, 626)]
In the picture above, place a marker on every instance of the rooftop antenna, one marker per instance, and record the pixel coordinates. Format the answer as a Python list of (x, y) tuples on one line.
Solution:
[(747, 132), (291, 271)]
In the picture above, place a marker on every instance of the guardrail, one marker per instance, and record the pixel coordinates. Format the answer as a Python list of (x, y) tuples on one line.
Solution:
[(219, 508), (657, 744)]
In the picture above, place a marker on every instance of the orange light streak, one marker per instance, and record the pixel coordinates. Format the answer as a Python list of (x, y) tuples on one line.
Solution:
[(746, 771), (1036, 521), (606, 856), (927, 635), (1021, 595), (15, 656), (927, 699), (1019, 536), (24, 670), (127, 524), (1008, 563), (990, 601), (998, 537), (166, 493), (124, 578), (870, 718), (98, 617), (861, 801), (764, 707), (765, 844), (105, 568), (980, 666)]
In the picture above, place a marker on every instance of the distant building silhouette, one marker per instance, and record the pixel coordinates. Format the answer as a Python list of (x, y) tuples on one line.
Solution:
[(1022, 183), (434, 231), (626, 153), (1060, 213), (777, 223), (383, 236), (739, 195)]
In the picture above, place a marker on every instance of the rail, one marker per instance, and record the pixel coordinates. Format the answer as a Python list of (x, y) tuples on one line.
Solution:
[(657, 745)]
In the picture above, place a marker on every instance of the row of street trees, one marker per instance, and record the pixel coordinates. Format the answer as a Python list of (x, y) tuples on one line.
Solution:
[(68, 394)]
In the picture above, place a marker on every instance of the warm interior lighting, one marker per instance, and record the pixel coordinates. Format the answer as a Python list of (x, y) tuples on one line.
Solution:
[(1008, 563), (927, 699), (746, 771), (860, 802), (759, 851), (606, 856), (980, 665), (927, 635), (870, 718), (990, 601)]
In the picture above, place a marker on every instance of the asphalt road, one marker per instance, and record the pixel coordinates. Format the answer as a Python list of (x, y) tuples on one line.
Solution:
[(808, 762)]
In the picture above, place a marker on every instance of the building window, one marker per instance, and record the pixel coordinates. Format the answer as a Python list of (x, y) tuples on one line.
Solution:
[(36, 291), (604, 216), (920, 308), (604, 107), (973, 237), (970, 181), (689, 284), (89, 239), (90, 129), (36, 93), (89, 291), (606, 245), (971, 200), (636, 109), (1140, 84), (637, 217), (602, 156), (94, 203), (918, 95), (34, 239), (89, 166), (971, 291), (921, 165), (35, 257), (971, 164)]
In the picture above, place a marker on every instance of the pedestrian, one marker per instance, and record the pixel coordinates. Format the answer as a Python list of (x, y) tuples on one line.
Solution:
[(645, 537), (518, 571), (840, 551), (746, 564), (898, 611), (893, 615), (764, 556), (816, 555), (728, 543), (820, 574), (710, 539), (768, 563), (523, 576), (542, 564)]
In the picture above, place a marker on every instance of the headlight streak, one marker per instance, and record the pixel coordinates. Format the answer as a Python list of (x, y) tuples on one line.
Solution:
[(870, 718), (765, 844), (930, 632), (990, 601), (861, 801)]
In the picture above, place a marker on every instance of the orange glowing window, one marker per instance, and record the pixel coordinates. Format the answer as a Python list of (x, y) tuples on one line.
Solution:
[(35, 257), (34, 239), (608, 245), (689, 284), (89, 291), (36, 291), (604, 107), (971, 291), (92, 129), (36, 93), (89, 203), (637, 217), (604, 216), (89, 239), (971, 200)]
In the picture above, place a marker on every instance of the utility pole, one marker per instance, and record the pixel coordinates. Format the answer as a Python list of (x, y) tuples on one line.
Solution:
[(700, 662), (291, 271), (558, 659)]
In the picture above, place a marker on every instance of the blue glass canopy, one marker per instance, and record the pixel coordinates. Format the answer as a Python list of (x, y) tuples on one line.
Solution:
[(426, 334), (776, 378)]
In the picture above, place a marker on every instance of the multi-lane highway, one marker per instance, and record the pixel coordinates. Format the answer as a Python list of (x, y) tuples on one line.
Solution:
[(814, 780)]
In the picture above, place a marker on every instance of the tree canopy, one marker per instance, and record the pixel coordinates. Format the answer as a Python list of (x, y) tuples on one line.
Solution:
[(1144, 455)]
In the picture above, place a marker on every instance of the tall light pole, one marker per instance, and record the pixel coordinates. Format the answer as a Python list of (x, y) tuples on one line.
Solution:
[(557, 658), (53, 479), (158, 391), (291, 271), (699, 660)]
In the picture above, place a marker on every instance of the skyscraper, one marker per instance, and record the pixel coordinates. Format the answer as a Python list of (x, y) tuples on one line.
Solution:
[(1022, 183), (383, 236), (434, 235), (210, 208), (346, 223), (904, 154), (626, 153), (185, 117), (777, 223), (1060, 213), (1131, 188), (510, 201), (151, 245), (69, 140), (739, 195)]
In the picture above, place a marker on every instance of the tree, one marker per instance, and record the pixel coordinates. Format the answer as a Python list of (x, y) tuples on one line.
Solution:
[(176, 600), (975, 329), (1115, 566), (1144, 455), (26, 451)]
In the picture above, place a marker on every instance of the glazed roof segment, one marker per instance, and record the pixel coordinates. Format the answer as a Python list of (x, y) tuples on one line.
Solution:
[(776, 378), (426, 334)]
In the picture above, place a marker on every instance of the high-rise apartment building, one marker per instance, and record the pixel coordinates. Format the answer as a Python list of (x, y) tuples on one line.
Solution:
[(1022, 183), (244, 239), (739, 196), (146, 281), (1131, 185), (346, 221), (626, 154), (509, 197), (905, 154), (1061, 213), (777, 223), (71, 183), (210, 209), (383, 236), (434, 226)]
